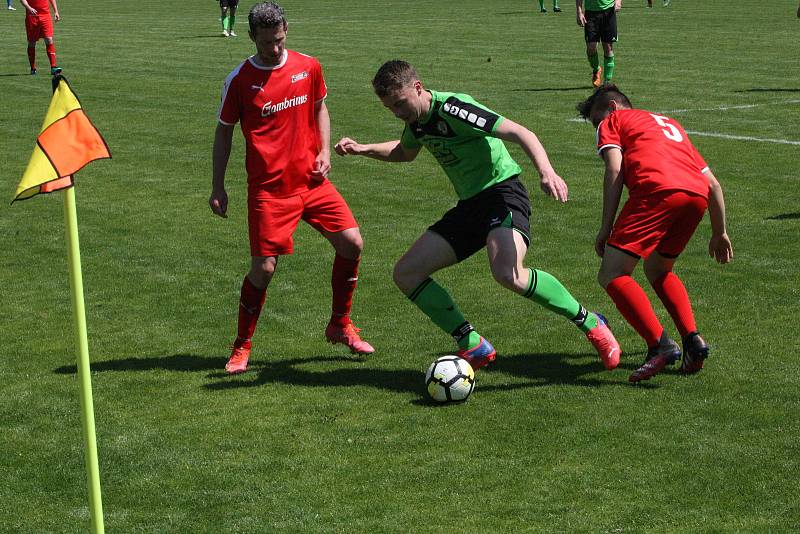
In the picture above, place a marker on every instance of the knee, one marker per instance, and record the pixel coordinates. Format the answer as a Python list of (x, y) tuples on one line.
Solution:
[(507, 278), (653, 274), (405, 277), (261, 271), (604, 278), (353, 246)]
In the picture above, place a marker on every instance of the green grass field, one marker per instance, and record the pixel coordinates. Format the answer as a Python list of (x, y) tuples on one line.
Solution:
[(313, 440)]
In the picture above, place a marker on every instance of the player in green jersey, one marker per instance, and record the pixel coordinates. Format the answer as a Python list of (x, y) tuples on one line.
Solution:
[(493, 210), (598, 18), (542, 9)]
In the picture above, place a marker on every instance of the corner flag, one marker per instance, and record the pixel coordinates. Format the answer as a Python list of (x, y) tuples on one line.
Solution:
[(67, 142)]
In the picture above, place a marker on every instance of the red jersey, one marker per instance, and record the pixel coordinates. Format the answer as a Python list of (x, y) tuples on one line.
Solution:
[(275, 106), (656, 153), (42, 6)]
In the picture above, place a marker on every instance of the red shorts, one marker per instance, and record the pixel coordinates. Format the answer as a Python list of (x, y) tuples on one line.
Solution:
[(663, 221), (272, 221), (38, 26)]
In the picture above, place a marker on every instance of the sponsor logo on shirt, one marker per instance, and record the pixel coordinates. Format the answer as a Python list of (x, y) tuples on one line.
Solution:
[(299, 76), (464, 114), (269, 108)]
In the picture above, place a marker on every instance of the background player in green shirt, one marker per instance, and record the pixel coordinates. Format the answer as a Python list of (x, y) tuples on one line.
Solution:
[(493, 209), (598, 18)]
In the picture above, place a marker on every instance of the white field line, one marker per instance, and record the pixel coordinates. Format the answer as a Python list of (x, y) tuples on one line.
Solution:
[(728, 136)]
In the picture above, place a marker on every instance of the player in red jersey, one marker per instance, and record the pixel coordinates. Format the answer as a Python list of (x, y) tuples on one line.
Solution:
[(39, 25), (278, 96), (670, 186)]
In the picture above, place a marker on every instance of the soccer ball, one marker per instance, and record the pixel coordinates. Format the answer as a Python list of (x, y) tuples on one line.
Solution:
[(450, 379)]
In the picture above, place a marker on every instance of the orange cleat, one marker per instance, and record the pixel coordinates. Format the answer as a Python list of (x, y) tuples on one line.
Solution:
[(238, 360), (604, 342), (348, 335), (597, 77)]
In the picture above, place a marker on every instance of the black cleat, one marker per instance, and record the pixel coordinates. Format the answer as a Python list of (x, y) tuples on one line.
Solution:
[(666, 353), (695, 351)]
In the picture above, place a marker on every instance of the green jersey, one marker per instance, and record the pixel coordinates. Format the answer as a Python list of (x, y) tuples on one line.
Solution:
[(458, 132), (597, 5)]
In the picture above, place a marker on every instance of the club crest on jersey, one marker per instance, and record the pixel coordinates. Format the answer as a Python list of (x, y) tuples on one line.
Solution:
[(269, 108), (299, 76)]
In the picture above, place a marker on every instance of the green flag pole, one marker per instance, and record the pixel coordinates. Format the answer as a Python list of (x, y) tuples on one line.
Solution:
[(87, 406)]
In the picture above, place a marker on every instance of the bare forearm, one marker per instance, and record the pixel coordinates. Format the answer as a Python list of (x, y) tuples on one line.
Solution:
[(612, 192), (716, 210), (324, 128), (390, 151), (220, 155)]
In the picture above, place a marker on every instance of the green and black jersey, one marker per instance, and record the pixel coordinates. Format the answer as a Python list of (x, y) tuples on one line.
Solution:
[(457, 130)]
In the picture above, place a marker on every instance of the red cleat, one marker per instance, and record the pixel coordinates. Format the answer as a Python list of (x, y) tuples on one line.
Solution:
[(604, 342), (238, 360), (480, 355), (348, 335)]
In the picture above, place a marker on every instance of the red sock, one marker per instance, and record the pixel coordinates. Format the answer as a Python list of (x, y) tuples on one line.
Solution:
[(32, 56), (51, 53), (673, 294), (633, 304), (250, 303), (343, 282)]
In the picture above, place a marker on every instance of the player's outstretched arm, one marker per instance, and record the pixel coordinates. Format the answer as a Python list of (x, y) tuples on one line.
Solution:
[(392, 151), (719, 247), (223, 140), (551, 183), (612, 192)]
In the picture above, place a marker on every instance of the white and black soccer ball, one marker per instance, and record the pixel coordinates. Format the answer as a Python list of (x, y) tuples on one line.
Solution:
[(450, 379)]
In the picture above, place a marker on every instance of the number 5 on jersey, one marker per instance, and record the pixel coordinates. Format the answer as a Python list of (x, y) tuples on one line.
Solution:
[(670, 131)]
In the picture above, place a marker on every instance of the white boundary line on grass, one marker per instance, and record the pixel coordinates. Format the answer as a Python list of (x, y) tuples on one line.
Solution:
[(728, 136)]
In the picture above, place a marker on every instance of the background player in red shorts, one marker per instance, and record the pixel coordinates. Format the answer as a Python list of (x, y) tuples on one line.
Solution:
[(278, 95), (670, 186), (39, 25)]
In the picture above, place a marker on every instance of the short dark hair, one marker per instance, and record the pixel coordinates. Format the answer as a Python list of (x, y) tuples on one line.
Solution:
[(265, 15), (600, 98), (392, 76)]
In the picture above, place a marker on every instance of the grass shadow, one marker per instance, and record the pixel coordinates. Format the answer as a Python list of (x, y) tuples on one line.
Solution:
[(176, 362), (783, 217)]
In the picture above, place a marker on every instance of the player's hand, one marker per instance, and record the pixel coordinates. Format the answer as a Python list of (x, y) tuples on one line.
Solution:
[(600, 241), (720, 248), (218, 202), (32, 11), (56, 16), (347, 146), (322, 166), (581, 19), (617, 5), (553, 185)]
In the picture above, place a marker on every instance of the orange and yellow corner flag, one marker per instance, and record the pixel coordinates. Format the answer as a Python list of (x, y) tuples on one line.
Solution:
[(67, 142)]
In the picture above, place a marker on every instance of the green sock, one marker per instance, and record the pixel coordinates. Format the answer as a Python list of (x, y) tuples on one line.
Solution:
[(436, 303), (608, 67), (555, 4), (545, 289), (232, 22), (226, 21), (541, 5), (594, 61)]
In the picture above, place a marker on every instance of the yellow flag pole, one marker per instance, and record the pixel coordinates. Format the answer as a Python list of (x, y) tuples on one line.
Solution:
[(87, 406)]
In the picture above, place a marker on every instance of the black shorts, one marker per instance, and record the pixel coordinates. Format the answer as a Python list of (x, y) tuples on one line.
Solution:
[(601, 26), (228, 3), (467, 225)]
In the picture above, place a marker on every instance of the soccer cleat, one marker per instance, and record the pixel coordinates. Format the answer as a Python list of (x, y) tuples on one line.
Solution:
[(55, 70), (597, 77), (33, 71), (604, 342), (12, 8), (238, 360), (695, 351), (543, 10), (225, 33), (480, 355), (348, 335), (556, 9), (232, 33), (666, 2), (666, 353)]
